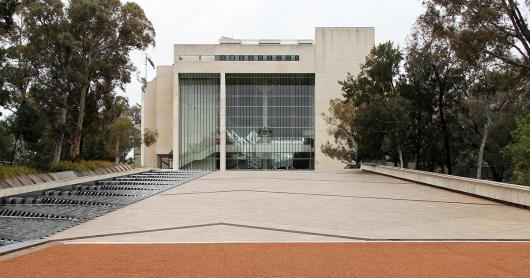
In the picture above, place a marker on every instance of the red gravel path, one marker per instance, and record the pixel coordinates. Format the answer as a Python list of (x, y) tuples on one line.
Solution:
[(274, 260)]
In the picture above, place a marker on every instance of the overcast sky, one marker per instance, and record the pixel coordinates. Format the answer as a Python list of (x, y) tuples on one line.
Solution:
[(205, 21)]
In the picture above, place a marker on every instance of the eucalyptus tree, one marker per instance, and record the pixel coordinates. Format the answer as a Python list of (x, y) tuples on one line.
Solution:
[(490, 97), (105, 31), (490, 40), (494, 28), (51, 41), (7, 11), (425, 137), (376, 95), (447, 76), (520, 150), (19, 76), (341, 127)]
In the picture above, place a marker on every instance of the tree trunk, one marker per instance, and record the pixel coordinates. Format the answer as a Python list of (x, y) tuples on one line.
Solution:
[(57, 149), (76, 150), (400, 157), (59, 142), (400, 153), (483, 144), (441, 95), (418, 151), (118, 150), (445, 130), (13, 156), (498, 175)]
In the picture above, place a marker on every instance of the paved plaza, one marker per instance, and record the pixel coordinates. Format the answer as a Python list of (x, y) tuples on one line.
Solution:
[(345, 206)]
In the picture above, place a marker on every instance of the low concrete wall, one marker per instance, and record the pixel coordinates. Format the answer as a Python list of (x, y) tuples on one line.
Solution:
[(48, 177), (54, 184), (510, 193)]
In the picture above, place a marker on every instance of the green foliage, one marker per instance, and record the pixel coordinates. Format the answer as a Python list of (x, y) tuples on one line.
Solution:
[(30, 123), (493, 29), (7, 141), (428, 108), (374, 113), (7, 172), (7, 10), (520, 151), (121, 137), (378, 76), (340, 122), (150, 137), (80, 166), (135, 113)]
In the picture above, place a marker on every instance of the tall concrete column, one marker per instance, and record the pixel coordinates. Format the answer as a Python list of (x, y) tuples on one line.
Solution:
[(176, 122), (142, 128), (222, 127)]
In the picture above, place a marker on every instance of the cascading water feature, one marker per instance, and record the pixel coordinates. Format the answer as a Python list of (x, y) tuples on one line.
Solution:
[(40, 214)]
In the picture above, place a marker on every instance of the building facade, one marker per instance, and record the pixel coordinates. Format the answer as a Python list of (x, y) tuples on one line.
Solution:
[(250, 105)]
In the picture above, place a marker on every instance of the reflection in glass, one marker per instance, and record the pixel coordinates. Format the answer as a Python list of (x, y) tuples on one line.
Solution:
[(270, 121)]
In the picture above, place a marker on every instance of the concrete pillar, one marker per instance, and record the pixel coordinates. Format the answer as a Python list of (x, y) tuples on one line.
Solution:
[(265, 100), (142, 129), (222, 127), (176, 122)]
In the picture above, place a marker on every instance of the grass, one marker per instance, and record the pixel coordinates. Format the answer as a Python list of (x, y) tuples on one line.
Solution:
[(8, 172)]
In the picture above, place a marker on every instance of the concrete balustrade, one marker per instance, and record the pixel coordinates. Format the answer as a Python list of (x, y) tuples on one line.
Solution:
[(510, 193)]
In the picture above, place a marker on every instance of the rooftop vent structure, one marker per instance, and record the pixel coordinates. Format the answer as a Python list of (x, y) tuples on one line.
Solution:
[(269, 41), (228, 40)]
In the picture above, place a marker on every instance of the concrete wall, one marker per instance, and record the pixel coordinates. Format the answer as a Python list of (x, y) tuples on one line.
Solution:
[(164, 109), (515, 194), (305, 65), (149, 121), (338, 51), (157, 114)]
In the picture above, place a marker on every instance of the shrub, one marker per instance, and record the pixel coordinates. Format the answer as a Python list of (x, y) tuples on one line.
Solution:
[(7, 172), (80, 166)]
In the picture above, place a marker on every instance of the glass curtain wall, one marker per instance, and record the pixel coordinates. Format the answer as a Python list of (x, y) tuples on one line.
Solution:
[(199, 121), (270, 121)]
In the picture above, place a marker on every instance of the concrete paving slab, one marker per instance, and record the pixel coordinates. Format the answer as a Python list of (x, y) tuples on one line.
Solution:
[(305, 207)]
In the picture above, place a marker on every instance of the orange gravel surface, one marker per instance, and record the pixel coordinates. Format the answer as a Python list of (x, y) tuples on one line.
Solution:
[(273, 260)]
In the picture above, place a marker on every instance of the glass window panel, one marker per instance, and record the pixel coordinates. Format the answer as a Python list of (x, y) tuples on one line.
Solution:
[(270, 121)]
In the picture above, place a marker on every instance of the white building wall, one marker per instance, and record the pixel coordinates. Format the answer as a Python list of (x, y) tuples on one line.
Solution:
[(336, 52), (164, 109), (149, 121)]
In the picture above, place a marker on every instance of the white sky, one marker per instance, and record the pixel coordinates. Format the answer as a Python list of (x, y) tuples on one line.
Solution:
[(205, 21)]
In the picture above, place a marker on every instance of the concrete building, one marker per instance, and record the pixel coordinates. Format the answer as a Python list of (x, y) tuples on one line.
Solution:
[(250, 105)]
